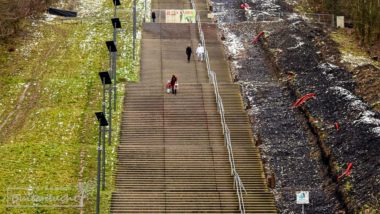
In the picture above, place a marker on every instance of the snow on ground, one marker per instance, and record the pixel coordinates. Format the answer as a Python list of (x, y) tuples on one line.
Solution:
[(376, 130), (299, 43), (293, 16), (365, 116), (292, 2), (236, 65), (327, 66), (268, 5), (347, 95), (355, 61), (234, 44), (90, 7)]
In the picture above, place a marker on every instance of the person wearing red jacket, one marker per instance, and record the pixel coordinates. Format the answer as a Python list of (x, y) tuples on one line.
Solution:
[(173, 82)]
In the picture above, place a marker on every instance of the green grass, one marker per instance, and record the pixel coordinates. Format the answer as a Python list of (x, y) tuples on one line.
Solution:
[(50, 136), (347, 43), (349, 46)]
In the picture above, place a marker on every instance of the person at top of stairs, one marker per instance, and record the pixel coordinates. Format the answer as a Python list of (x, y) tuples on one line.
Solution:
[(154, 16)]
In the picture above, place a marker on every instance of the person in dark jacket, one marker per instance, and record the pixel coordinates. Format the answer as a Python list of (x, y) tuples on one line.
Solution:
[(188, 53), (173, 82), (153, 16)]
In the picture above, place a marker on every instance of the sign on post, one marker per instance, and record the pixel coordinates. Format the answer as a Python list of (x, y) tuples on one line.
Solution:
[(302, 197), (340, 21)]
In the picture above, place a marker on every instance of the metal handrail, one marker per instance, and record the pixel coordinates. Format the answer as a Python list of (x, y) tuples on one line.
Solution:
[(238, 184)]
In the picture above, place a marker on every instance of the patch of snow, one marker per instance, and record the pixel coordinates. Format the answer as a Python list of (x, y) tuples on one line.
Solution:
[(367, 117), (291, 2), (299, 43), (347, 95), (233, 43), (358, 105), (297, 37), (90, 7), (49, 17), (327, 66), (330, 77), (236, 65), (376, 130), (293, 16), (355, 61), (267, 5), (264, 13), (296, 23), (254, 110), (297, 46)]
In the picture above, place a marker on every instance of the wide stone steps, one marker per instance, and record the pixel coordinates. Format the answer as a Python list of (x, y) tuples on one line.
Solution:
[(172, 156)]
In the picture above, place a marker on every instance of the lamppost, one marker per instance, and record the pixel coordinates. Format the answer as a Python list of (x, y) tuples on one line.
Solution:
[(112, 52), (116, 25), (134, 30), (106, 80), (102, 124)]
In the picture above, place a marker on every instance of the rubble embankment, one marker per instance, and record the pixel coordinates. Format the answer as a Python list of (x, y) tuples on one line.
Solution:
[(307, 147), (347, 128)]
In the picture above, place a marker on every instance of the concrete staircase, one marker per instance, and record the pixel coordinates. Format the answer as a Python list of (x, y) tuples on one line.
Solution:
[(172, 157)]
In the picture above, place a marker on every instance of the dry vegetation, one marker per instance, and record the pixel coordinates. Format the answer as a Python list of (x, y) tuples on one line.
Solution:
[(12, 12), (364, 15)]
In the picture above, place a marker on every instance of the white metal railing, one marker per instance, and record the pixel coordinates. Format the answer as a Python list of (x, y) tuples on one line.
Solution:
[(238, 184)]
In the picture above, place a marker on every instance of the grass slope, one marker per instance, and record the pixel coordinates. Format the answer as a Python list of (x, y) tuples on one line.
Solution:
[(49, 91)]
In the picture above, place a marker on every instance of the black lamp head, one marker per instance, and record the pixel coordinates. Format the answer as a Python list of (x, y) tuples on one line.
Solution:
[(111, 46), (101, 118), (105, 77), (116, 2), (116, 23)]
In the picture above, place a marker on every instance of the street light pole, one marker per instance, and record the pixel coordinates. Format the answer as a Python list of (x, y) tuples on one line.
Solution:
[(114, 57), (112, 52), (116, 25), (104, 137), (102, 124), (98, 173), (106, 80), (134, 29), (114, 68)]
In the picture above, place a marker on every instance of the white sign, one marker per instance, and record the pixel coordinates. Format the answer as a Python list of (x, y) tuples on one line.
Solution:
[(302, 197), (340, 21), (180, 16)]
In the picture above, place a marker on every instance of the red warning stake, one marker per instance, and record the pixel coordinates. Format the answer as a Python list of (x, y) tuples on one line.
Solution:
[(347, 172), (256, 39), (302, 100)]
